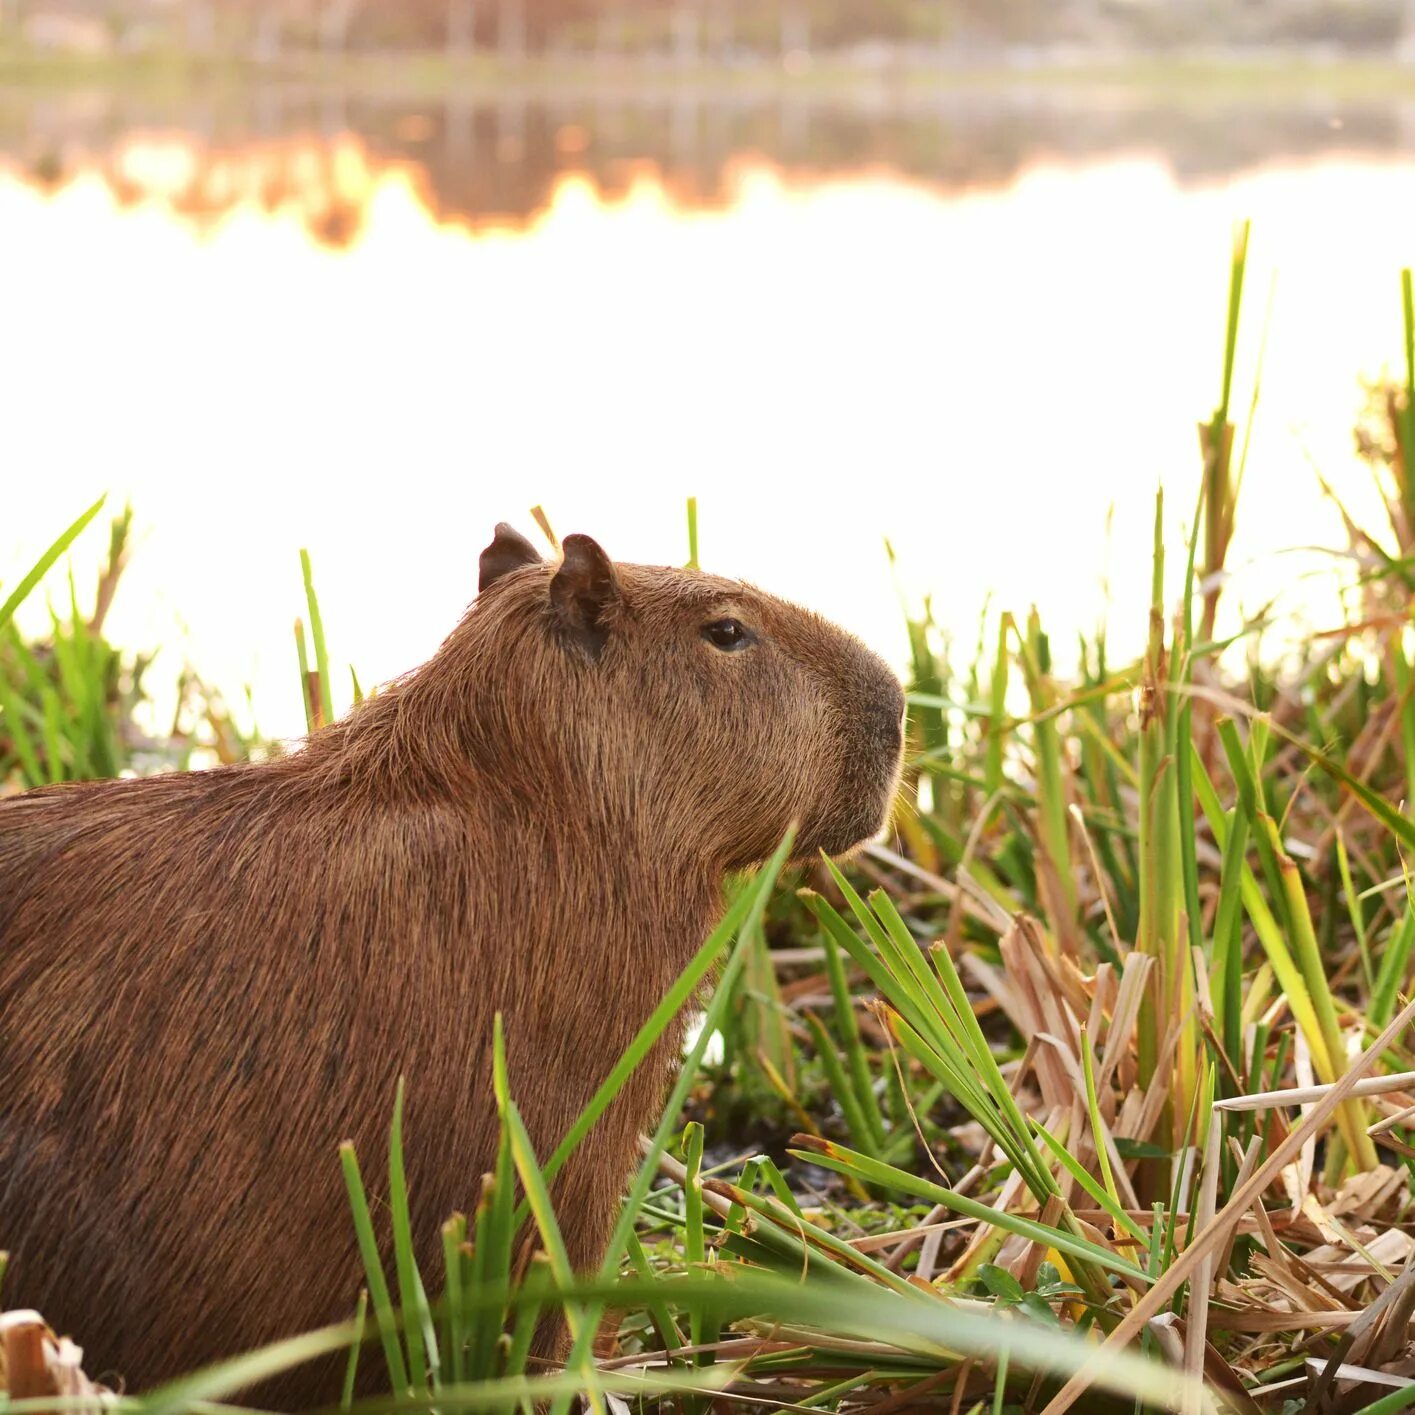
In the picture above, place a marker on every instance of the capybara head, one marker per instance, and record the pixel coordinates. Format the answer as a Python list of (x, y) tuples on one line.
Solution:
[(676, 709)]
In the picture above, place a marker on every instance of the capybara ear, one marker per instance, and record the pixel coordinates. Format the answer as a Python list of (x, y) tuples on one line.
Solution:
[(582, 592), (508, 551)]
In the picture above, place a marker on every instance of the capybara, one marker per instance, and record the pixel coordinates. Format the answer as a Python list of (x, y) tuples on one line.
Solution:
[(208, 979)]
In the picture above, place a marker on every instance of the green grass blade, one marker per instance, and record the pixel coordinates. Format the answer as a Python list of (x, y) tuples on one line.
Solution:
[(861, 1082), (41, 567), (373, 1271), (351, 1370), (306, 695), (576, 1318), (321, 654), (454, 1339), (404, 1258), (845, 1161)]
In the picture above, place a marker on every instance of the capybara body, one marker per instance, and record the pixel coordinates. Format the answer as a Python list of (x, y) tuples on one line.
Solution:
[(207, 980)]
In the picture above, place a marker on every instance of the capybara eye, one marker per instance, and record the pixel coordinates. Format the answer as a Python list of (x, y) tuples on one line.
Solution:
[(727, 634)]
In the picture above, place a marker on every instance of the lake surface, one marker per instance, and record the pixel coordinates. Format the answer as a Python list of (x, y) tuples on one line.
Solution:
[(969, 321)]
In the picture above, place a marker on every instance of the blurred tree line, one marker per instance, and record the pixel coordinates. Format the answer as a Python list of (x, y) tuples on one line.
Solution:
[(720, 31)]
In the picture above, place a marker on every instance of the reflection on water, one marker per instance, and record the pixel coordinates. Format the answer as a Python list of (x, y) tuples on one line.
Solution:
[(972, 327), (498, 161)]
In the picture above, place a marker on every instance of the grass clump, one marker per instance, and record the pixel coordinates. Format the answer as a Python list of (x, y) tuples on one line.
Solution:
[(74, 707)]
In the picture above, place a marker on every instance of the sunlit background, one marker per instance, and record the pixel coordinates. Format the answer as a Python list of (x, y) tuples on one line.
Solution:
[(367, 278)]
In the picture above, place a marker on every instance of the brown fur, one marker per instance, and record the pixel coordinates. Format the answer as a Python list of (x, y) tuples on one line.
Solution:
[(207, 980)]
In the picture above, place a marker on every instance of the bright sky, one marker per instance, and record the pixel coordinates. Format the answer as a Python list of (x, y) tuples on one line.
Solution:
[(978, 376)]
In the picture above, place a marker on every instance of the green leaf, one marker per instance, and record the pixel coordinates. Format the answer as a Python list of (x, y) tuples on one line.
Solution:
[(1000, 1283)]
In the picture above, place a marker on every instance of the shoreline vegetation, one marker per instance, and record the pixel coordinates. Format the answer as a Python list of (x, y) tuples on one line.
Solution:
[(1092, 1088)]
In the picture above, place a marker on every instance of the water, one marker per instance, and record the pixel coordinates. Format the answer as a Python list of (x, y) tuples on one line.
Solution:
[(970, 321)]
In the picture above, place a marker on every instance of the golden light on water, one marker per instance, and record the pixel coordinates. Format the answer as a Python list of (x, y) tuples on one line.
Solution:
[(284, 346)]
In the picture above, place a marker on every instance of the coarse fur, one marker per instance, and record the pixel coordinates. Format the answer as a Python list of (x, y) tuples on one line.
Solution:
[(209, 979)]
